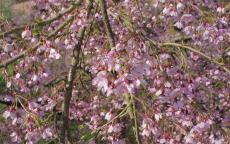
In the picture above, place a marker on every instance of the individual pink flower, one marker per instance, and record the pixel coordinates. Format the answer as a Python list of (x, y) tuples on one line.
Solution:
[(26, 34)]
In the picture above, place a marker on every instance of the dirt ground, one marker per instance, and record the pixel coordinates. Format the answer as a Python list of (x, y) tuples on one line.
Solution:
[(21, 12)]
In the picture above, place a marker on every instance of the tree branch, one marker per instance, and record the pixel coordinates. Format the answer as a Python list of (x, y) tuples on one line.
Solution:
[(107, 25), (142, 34), (71, 76), (197, 52), (25, 52), (136, 129)]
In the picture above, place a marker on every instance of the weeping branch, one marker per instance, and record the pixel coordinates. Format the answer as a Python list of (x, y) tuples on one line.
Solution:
[(121, 114), (221, 65), (107, 25), (71, 76), (132, 28), (136, 129), (42, 23), (35, 47)]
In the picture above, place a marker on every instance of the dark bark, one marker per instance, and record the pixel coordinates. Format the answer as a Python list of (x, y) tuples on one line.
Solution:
[(71, 77), (107, 25)]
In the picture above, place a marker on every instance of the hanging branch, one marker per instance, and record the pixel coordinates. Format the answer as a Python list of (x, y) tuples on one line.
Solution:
[(122, 113), (35, 47), (71, 76), (132, 28), (197, 52), (136, 129), (107, 25), (42, 23)]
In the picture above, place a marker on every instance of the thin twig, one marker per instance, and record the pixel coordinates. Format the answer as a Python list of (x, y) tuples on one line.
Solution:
[(221, 65), (136, 129), (124, 111)]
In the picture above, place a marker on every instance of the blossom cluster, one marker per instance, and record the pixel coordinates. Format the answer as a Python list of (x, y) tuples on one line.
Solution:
[(175, 95)]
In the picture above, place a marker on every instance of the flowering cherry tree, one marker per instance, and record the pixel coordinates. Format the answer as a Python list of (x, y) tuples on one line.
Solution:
[(121, 71)]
